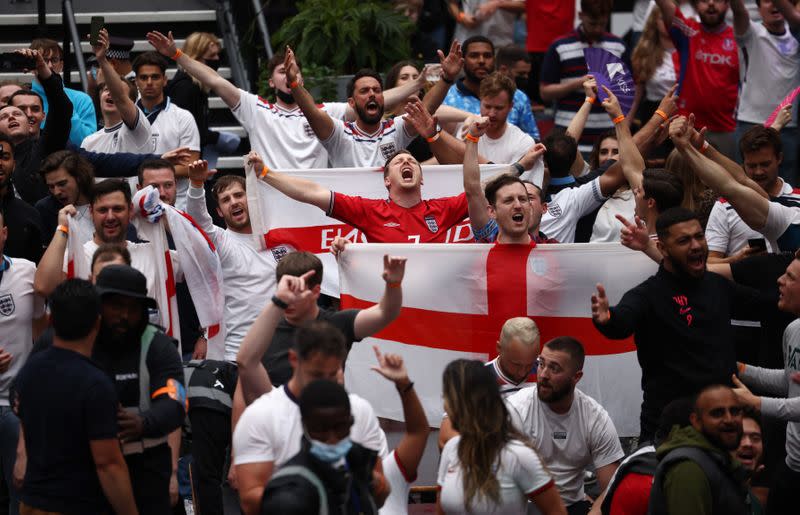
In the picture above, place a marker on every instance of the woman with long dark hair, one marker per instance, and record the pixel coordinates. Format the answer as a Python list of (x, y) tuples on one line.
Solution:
[(489, 468)]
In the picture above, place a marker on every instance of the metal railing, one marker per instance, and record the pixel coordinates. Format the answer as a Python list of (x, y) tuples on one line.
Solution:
[(230, 36), (68, 20), (261, 20)]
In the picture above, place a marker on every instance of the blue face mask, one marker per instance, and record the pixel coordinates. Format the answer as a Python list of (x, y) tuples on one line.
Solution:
[(330, 453)]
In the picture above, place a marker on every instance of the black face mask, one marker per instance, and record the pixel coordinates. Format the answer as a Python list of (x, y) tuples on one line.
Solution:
[(522, 83), (287, 98), (213, 64)]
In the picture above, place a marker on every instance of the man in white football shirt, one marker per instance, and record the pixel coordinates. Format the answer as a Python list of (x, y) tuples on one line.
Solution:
[(570, 429), (371, 139), (170, 126)]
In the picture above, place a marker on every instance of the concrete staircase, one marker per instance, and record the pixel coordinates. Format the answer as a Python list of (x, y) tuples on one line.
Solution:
[(18, 25)]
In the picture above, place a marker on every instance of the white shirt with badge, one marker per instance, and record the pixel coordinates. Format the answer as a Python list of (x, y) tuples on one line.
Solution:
[(568, 442), (271, 430), (174, 127), (19, 306), (348, 146), (568, 206), (283, 137), (519, 471)]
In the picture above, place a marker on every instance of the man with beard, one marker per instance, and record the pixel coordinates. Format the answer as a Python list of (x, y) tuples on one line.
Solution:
[(370, 139), (23, 221), (696, 473), (465, 94), (145, 366), (111, 211), (709, 83), (247, 270), (278, 131), (571, 430), (679, 317)]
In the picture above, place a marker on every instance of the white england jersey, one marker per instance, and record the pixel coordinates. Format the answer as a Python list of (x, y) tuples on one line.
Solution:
[(283, 137), (348, 146)]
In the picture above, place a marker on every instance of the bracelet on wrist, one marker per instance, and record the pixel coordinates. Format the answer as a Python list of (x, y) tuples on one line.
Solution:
[(407, 388), (618, 119), (662, 114), (591, 100), (448, 81), (264, 172), (461, 16), (518, 167), (196, 184), (177, 54), (472, 138), (434, 137), (394, 284), (63, 229), (704, 147), (278, 302)]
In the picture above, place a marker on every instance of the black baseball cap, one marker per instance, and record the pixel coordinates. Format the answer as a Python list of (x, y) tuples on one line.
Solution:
[(124, 280)]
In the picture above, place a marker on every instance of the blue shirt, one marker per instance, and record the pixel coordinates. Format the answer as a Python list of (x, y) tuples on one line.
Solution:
[(84, 119), (521, 115)]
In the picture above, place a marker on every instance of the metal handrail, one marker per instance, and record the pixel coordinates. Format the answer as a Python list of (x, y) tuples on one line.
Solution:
[(68, 19), (262, 26), (230, 36)]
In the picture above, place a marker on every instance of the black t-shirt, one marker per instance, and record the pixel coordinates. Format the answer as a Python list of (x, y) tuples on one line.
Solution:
[(276, 359), (65, 401)]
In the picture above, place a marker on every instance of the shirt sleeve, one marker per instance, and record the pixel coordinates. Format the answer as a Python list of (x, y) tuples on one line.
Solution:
[(167, 390), (336, 110), (625, 315), (190, 134), (337, 141), (251, 441), (139, 134), (454, 209), (196, 208), (769, 380), (487, 233), (246, 110), (605, 446), (345, 321), (401, 136), (350, 210), (529, 474), (779, 219), (100, 411), (448, 453), (717, 230), (587, 198), (551, 66), (84, 118)]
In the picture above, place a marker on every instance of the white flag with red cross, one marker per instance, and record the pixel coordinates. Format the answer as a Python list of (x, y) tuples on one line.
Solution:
[(284, 225), (457, 297)]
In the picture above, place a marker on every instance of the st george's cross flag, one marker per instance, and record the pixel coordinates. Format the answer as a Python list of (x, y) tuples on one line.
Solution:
[(283, 225), (457, 297)]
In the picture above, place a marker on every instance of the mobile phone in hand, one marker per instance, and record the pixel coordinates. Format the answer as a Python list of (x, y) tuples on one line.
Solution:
[(98, 23), (758, 243), (14, 62)]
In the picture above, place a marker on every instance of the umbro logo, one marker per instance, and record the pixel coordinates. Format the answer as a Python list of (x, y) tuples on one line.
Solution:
[(391, 224)]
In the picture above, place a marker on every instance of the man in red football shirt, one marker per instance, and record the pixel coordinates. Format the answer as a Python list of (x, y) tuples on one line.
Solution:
[(709, 68), (402, 218)]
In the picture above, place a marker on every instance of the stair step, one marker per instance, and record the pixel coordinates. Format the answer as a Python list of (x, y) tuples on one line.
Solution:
[(24, 78), (236, 129), (140, 45), (115, 17)]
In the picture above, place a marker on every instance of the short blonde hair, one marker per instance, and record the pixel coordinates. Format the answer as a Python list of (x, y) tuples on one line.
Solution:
[(198, 43), (522, 328)]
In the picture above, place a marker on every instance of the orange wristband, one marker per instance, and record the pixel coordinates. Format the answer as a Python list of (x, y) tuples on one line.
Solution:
[(264, 172), (178, 53), (704, 147), (591, 100), (662, 114), (64, 229), (393, 285), (434, 137), (294, 84), (472, 138), (618, 119), (461, 16)]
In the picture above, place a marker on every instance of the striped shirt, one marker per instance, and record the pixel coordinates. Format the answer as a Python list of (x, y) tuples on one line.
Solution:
[(506, 384), (564, 61)]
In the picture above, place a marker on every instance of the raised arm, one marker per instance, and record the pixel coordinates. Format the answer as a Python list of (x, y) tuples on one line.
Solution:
[(196, 206), (253, 377), (59, 111), (320, 122), (752, 207), (412, 445), (50, 272), (578, 122), (115, 84), (741, 18), (451, 67), (667, 11), (789, 12), (476, 200), (656, 129), (373, 319), (630, 159), (165, 45), (301, 190)]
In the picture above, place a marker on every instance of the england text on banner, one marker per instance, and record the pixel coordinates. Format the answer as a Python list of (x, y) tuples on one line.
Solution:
[(456, 298), (284, 225)]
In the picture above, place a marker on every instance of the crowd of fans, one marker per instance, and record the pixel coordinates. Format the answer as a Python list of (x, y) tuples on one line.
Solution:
[(95, 397)]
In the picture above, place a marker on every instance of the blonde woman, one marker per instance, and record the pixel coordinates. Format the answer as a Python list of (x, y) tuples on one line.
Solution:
[(655, 66), (488, 468)]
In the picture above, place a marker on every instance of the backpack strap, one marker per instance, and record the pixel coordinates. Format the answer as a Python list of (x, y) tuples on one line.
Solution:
[(307, 474)]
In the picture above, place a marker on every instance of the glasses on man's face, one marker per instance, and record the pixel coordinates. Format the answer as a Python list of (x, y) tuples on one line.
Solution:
[(51, 60), (551, 366)]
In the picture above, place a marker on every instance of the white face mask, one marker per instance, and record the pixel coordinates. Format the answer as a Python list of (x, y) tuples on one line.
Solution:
[(330, 453)]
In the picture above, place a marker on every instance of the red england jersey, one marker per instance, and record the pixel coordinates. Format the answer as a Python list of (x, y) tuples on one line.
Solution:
[(547, 21), (709, 73), (383, 221)]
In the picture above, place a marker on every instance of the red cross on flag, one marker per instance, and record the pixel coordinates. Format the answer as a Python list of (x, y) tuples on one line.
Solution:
[(457, 297)]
